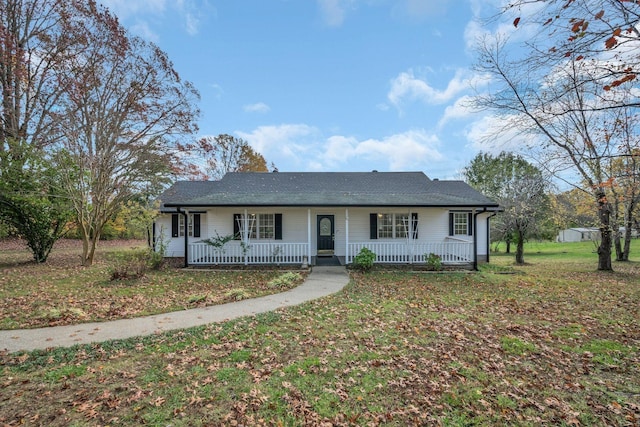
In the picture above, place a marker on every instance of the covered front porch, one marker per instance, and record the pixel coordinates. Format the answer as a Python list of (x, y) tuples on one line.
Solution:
[(323, 234), (451, 252)]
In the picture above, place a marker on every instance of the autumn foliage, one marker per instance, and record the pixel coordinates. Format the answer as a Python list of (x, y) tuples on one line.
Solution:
[(552, 343)]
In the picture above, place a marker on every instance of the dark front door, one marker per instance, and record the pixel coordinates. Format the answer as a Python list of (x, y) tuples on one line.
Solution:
[(325, 234)]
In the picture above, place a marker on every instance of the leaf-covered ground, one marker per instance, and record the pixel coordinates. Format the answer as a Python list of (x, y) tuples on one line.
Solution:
[(555, 343), (61, 292)]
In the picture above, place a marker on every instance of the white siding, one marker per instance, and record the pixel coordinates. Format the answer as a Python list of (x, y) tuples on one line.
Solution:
[(433, 226)]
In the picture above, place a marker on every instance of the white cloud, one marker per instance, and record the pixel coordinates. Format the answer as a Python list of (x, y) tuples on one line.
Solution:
[(144, 31), (259, 107), (301, 148), (192, 23), (407, 87), (141, 12), (493, 134), (334, 11), (216, 90), (290, 141), (460, 109), (419, 9), (485, 23), (410, 150)]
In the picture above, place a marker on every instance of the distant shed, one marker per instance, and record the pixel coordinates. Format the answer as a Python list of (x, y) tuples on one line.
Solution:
[(578, 234)]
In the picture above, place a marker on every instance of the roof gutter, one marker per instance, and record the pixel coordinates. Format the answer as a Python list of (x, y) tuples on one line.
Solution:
[(318, 205)]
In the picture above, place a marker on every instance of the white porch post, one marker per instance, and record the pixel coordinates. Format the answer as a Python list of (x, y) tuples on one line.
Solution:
[(346, 235), (245, 229), (309, 236), (410, 233)]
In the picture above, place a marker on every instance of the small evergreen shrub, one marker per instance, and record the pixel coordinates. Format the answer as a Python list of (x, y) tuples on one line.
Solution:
[(434, 262), (285, 281), (364, 260), (237, 294)]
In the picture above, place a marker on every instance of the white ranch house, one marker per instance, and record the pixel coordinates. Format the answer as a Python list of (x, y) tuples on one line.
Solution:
[(309, 217)]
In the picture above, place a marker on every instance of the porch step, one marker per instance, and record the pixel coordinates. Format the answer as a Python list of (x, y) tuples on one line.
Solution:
[(327, 260)]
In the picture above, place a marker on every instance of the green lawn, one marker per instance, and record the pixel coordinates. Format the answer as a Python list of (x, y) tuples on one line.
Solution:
[(554, 342), (61, 292)]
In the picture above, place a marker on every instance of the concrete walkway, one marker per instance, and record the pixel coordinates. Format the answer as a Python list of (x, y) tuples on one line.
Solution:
[(321, 282)]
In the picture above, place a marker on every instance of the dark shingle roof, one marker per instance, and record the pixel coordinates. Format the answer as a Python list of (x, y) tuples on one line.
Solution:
[(324, 189)]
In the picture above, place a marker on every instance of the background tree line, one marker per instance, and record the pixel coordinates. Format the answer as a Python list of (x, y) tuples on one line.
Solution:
[(571, 90), (94, 123)]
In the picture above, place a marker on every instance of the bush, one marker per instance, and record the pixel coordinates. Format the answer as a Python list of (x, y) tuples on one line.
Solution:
[(133, 264), (285, 281), (434, 262), (364, 260), (237, 294)]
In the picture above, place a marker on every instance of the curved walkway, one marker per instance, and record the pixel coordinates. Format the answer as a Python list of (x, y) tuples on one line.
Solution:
[(321, 282)]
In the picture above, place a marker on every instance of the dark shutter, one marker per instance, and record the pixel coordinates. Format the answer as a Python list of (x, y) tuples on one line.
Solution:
[(236, 226), (174, 225), (450, 223), (373, 226), (470, 224), (196, 225), (414, 225), (278, 224)]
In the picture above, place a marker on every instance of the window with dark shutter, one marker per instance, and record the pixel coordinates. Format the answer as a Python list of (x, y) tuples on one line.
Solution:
[(278, 226), (196, 225), (414, 225), (236, 226), (373, 226), (460, 223), (175, 225), (451, 220)]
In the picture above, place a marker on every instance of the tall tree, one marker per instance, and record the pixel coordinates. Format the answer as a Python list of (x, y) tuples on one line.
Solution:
[(32, 202), (124, 113), (625, 195), (35, 38), (519, 188), (581, 62), (225, 153)]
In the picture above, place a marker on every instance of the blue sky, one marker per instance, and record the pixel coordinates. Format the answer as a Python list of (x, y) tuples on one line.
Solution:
[(329, 85)]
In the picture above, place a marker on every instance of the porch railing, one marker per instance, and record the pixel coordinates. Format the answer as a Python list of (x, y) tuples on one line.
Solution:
[(254, 253), (450, 252), (414, 253)]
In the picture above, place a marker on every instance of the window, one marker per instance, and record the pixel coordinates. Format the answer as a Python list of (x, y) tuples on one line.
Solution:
[(402, 226), (260, 226), (392, 226), (385, 226), (460, 224), (266, 226), (178, 228)]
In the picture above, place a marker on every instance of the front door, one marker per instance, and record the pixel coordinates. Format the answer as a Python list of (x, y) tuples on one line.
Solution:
[(325, 234)]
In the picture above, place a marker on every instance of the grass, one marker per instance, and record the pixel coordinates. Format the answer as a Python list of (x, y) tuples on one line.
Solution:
[(61, 292), (554, 342)]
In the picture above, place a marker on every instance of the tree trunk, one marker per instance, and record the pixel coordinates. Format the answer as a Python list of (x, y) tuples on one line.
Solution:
[(627, 241), (520, 249), (617, 244), (508, 249), (630, 207), (604, 250), (89, 243)]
